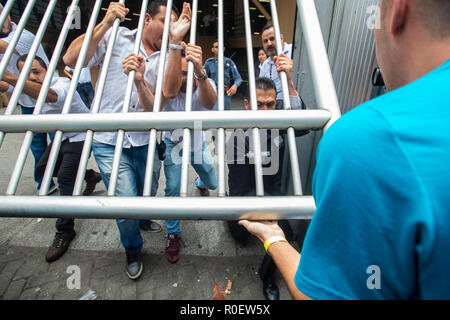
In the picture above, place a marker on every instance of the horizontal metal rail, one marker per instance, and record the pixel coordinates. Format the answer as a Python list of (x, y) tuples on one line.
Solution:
[(213, 208), (105, 122)]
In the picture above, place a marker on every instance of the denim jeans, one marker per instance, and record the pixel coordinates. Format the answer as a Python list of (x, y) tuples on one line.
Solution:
[(86, 92), (202, 163), (38, 146), (130, 183), (227, 102)]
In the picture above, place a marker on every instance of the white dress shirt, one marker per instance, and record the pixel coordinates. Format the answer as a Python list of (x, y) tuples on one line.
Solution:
[(116, 82)]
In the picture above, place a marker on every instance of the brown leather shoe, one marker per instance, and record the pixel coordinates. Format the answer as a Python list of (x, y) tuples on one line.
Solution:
[(60, 245)]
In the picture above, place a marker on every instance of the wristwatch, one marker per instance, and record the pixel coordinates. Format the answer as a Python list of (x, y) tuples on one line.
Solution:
[(175, 46), (202, 78)]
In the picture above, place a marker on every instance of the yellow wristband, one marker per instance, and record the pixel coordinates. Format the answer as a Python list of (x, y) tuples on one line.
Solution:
[(272, 240)]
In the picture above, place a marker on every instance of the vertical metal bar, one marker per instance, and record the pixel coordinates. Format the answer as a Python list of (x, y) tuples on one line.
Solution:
[(221, 101), (6, 10), (188, 107), (157, 101), (322, 77), (126, 105), (259, 182), (98, 90), (20, 163), (7, 57), (295, 168)]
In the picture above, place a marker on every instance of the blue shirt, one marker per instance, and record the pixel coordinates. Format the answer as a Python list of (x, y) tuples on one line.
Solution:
[(230, 72), (382, 190)]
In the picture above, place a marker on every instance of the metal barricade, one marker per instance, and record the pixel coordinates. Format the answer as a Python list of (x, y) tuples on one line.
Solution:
[(183, 207)]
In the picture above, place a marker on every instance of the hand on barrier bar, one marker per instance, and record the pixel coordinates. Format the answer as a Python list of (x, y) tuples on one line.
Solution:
[(115, 10), (135, 63)]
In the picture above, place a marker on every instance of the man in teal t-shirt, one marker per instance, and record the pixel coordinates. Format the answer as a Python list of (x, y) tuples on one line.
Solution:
[(382, 180)]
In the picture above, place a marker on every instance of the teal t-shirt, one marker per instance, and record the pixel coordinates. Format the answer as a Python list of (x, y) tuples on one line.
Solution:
[(382, 191)]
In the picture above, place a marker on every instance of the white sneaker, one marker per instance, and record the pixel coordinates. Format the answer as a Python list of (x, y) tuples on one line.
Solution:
[(52, 190)]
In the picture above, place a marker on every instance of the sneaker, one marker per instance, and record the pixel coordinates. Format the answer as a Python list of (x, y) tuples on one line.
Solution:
[(203, 191), (173, 248), (134, 265), (150, 226), (91, 182), (60, 245), (51, 190)]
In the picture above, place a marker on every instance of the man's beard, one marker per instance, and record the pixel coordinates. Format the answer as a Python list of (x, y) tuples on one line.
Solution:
[(271, 51)]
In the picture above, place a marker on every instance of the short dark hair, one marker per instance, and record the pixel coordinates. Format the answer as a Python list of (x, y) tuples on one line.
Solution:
[(154, 8), (264, 84), (39, 59), (435, 15), (267, 27)]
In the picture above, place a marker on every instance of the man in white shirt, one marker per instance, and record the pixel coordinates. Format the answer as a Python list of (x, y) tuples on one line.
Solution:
[(269, 68), (72, 144), (39, 142), (135, 147), (204, 98)]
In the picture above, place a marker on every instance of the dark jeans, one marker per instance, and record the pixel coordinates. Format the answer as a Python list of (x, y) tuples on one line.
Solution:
[(38, 146), (86, 92), (66, 170)]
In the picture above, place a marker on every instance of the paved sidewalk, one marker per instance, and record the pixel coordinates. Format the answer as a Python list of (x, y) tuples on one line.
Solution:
[(25, 275)]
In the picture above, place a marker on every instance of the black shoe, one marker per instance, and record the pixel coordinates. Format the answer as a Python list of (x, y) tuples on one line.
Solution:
[(91, 182), (270, 289), (60, 245), (150, 225), (134, 265)]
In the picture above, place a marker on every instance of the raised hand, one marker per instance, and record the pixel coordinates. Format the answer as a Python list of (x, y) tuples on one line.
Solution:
[(179, 28), (115, 10)]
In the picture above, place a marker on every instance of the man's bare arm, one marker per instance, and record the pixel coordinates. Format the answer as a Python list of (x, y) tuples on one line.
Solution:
[(30, 88), (115, 10), (178, 29), (284, 255)]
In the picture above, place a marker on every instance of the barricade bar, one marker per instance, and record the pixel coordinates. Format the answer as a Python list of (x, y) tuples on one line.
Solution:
[(157, 102), (259, 180), (126, 105), (221, 100), (295, 168), (108, 122), (188, 107), (162, 208), (322, 77), (20, 163)]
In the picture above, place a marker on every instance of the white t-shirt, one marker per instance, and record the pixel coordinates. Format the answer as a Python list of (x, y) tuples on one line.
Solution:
[(23, 47), (115, 86), (179, 104)]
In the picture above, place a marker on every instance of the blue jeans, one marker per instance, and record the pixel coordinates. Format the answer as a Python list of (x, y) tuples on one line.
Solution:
[(86, 92), (130, 183), (227, 102), (38, 146), (202, 163)]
